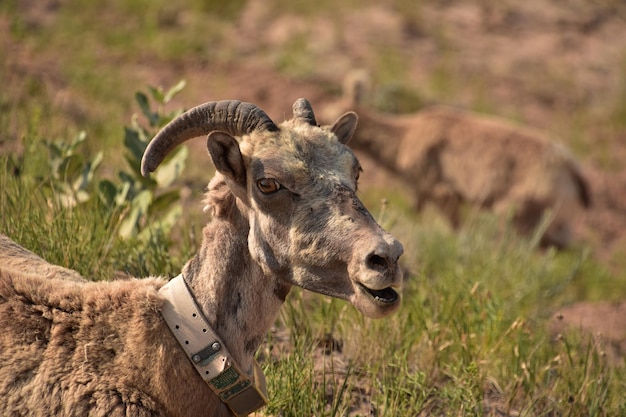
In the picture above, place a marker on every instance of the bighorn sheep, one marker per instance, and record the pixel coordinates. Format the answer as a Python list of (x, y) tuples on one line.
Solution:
[(450, 157), (284, 213)]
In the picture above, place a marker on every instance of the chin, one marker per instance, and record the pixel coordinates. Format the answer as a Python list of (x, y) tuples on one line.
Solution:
[(376, 304)]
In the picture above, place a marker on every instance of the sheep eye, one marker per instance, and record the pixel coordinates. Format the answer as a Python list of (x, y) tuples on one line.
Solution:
[(268, 185)]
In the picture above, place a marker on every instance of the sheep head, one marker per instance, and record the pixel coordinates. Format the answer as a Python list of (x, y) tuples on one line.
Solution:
[(296, 183)]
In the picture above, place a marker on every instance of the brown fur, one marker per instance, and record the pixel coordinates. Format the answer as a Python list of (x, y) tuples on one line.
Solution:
[(451, 157), (76, 348), (92, 348), (14, 257)]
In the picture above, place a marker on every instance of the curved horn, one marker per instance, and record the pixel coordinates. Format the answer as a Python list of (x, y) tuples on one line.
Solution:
[(303, 112), (231, 116)]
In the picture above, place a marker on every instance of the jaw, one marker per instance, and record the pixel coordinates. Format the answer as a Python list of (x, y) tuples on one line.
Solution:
[(375, 303), (372, 301)]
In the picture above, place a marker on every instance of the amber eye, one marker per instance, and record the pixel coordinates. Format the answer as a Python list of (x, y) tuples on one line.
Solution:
[(268, 185)]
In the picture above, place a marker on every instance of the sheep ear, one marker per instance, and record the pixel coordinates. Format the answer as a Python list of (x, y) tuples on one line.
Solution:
[(345, 126), (226, 156)]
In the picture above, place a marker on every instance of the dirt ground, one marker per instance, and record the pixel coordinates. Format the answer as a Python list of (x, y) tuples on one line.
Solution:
[(540, 62)]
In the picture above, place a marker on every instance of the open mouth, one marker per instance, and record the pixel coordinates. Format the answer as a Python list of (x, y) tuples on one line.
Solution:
[(386, 295)]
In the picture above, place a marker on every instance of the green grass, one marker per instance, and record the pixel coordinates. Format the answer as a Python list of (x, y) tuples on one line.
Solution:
[(471, 335), (84, 236)]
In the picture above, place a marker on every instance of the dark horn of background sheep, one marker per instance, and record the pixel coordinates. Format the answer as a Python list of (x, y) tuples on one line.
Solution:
[(231, 116)]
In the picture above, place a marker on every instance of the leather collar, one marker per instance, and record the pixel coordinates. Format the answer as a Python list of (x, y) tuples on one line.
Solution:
[(208, 353)]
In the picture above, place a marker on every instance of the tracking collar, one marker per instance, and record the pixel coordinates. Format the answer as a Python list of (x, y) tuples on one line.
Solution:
[(208, 353)]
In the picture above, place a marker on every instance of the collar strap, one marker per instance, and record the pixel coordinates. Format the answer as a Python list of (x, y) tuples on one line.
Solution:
[(208, 353)]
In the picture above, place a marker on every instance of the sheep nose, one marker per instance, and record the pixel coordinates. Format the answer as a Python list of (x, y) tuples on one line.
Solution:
[(385, 255), (377, 262)]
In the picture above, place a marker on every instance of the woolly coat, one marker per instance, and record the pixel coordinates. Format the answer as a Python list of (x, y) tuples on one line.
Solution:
[(76, 348)]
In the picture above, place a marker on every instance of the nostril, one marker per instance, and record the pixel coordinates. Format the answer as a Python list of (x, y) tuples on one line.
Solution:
[(376, 262)]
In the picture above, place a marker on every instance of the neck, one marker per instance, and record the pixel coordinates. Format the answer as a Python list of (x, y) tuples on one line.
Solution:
[(377, 137), (238, 300)]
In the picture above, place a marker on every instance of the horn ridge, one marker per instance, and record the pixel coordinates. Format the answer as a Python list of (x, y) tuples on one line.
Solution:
[(231, 116), (246, 117)]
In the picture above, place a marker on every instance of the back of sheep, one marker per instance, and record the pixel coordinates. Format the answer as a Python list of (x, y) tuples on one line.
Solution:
[(487, 141), (450, 156), (13, 257)]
